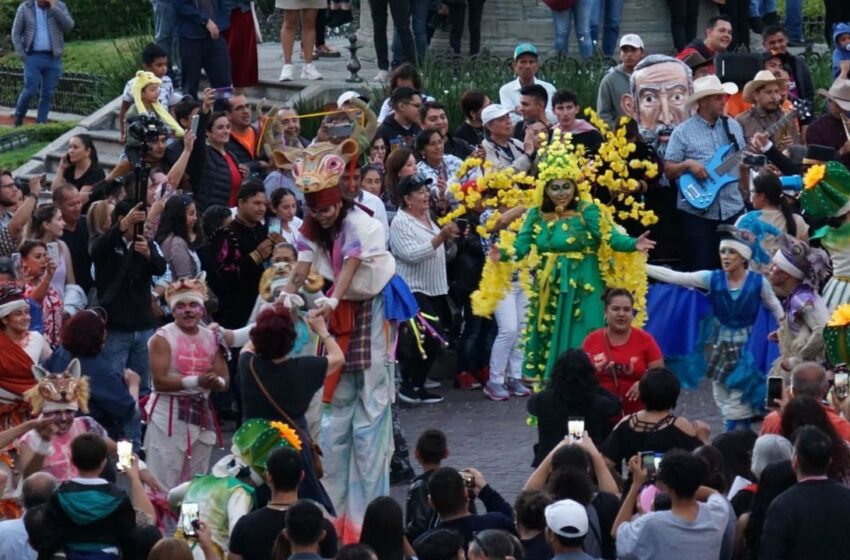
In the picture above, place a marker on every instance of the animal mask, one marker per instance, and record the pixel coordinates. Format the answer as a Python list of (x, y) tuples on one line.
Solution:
[(316, 167), (277, 276), (66, 390)]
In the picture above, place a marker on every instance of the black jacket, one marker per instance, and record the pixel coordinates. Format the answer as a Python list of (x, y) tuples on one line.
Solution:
[(124, 279), (236, 280), (809, 520), (396, 136), (458, 147)]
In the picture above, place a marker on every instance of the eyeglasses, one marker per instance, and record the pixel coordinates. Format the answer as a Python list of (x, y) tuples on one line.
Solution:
[(728, 251), (11, 185), (417, 105)]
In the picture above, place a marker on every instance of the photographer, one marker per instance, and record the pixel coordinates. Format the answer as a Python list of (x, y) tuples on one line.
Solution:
[(421, 248)]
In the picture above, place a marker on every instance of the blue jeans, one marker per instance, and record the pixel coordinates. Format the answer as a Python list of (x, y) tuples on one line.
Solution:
[(759, 8), (129, 349), (794, 19), (419, 27), (611, 24), (41, 76), (580, 13), (163, 20)]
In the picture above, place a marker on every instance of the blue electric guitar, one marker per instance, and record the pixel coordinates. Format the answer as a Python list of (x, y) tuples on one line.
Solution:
[(723, 166)]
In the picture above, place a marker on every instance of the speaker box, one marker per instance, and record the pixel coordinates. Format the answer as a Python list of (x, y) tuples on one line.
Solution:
[(739, 68)]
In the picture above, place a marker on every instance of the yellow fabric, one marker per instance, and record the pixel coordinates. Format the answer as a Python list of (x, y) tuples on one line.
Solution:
[(144, 79)]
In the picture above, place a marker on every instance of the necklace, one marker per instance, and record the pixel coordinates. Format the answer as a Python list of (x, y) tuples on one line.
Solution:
[(278, 506)]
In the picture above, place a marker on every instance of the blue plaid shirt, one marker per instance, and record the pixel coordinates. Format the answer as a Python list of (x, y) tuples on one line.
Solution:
[(696, 139)]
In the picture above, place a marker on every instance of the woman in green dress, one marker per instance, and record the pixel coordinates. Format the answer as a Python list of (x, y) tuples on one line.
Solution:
[(571, 235)]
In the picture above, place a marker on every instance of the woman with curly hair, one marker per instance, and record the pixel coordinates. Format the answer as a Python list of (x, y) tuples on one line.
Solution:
[(277, 383), (805, 411), (572, 391)]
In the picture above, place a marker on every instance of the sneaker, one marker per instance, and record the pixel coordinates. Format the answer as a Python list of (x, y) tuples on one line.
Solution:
[(310, 73), (287, 73), (429, 398), (431, 384), (466, 381), (496, 392), (409, 395), (381, 76), (517, 389)]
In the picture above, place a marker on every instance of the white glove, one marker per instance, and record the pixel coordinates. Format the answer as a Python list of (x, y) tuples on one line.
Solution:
[(331, 302), (290, 301)]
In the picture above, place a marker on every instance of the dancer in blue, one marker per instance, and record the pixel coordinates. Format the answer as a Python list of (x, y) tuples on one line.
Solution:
[(735, 294)]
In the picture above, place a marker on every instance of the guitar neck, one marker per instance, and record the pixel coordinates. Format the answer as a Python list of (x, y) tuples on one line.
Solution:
[(734, 159)]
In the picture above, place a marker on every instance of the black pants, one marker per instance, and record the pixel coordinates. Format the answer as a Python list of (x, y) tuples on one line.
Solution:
[(414, 369), (683, 21), (703, 241), (321, 27), (837, 11), (738, 12), (400, 11), (210, 55), (456, 16)]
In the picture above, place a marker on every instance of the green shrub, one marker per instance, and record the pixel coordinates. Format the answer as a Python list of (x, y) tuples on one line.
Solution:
[(95, 19), (42, 132), (16, 158)]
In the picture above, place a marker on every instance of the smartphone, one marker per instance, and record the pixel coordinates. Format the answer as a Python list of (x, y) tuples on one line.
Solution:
[(194, 125), (224, 92), (189, 515), (755, 160), (337, 131), (462, 224), (53, 252), (575, 427), (842, 385), (125, 455), (16, 264), (648, 463), (774, 391), (274, 225), (468, 479)]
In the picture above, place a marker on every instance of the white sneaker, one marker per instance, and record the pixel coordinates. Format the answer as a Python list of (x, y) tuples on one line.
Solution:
[(381, 76), (287, 73), (310, 73)]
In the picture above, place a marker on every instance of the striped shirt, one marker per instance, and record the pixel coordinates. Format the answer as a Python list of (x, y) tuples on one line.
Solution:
[(421, 266), (696, 139)]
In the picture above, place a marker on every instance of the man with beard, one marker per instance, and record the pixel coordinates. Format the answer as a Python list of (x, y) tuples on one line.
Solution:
[(764, 91), (718, 36), (187, 363), (659, 89), (8, 196), (692, 144)]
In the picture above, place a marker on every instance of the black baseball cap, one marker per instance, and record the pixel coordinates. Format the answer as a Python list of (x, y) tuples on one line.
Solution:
[(412, 183)]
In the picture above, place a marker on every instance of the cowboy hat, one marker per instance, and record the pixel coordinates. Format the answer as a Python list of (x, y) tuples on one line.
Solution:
[(762, 78), (838, 92), (710, 85)]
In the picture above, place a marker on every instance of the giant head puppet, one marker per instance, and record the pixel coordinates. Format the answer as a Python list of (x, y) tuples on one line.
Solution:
[(317, 169), (660, 87)]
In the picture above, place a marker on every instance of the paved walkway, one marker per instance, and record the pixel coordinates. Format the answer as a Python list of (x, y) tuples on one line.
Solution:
[(333, 70)]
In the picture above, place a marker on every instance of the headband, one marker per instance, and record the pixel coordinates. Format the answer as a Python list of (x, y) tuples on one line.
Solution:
[(739, 247), (11, 306), (782, 262)]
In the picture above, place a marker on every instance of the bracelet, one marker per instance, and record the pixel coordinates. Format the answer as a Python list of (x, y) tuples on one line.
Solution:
[(41, 447)]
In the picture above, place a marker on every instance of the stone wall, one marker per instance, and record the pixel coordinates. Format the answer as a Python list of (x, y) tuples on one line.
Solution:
[(508, 22)]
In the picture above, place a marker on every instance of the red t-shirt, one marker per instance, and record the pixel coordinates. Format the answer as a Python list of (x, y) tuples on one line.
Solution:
[(773, 423), (620, 367)]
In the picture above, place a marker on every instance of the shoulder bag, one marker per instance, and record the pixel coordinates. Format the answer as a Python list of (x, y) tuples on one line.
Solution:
[(314, 447)]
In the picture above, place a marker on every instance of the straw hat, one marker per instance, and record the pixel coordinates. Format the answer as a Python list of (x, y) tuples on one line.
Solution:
[(838, 92), (762, 78), (710, 85)]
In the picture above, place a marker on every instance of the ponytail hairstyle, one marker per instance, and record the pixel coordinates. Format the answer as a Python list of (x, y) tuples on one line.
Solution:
[(770, 186), (42, 215)]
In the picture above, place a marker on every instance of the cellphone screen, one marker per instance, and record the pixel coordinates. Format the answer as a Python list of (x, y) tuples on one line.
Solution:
[(53, 252), (774, 391), (575, 427), (125, 455), (647, 460), (842, 384), (189, 513), (194, 126)]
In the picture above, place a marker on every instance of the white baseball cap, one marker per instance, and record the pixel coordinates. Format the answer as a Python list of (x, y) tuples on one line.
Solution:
[(346, 97), (494, 111), (567, 518), (631, 40)]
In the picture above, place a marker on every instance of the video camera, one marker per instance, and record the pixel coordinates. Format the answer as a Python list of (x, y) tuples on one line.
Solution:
[(146, 128)]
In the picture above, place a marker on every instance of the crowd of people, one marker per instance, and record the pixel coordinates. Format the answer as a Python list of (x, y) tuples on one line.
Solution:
[(230, 275)]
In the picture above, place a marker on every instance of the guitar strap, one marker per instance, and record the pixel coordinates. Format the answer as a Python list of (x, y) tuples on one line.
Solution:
[(732, 140)]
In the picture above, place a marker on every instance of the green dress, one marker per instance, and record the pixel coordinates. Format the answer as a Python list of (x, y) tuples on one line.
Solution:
[(566, 301)]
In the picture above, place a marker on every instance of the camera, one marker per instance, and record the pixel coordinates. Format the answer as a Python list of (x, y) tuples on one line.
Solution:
[(755, 160), (146, 128)]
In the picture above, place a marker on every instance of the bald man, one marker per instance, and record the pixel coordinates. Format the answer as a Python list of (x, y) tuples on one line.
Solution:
[(37, 490)]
